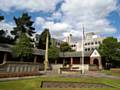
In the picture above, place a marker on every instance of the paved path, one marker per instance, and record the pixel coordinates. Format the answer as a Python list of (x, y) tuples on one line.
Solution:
[(71, 75), (78, 74), (17, 78), (99, 74)]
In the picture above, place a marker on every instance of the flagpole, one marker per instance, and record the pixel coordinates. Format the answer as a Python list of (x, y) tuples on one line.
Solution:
[(83, 49)]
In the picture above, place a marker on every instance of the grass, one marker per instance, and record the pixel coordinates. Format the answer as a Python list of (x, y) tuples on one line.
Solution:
[(111, 72), (34, 84)]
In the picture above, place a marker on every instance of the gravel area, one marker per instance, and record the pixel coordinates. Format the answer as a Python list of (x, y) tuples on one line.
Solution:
[(56, 84)]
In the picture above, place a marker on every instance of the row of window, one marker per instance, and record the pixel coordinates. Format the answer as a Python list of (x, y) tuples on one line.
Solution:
[(73, 45), (57, 43), (97, 42), (88, 49)]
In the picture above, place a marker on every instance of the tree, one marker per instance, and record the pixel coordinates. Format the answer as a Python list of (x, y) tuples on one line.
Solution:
[(1, 18), (2, 32), (42, 39), (23, 31), (64, 47), (23, 47), (109, 50), (23, 25), (53, 53), (3, 37)]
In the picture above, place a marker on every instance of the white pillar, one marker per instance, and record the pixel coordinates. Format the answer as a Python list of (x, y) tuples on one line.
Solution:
[(46, 55)]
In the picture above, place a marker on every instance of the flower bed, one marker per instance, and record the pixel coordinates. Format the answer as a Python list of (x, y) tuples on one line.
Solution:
[(60, 84)]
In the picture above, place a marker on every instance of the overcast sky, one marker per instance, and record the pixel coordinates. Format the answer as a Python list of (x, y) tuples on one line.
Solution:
[(66, 16)]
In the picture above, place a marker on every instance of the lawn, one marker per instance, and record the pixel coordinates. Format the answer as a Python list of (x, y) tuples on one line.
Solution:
[(112, 72), (34, 84)]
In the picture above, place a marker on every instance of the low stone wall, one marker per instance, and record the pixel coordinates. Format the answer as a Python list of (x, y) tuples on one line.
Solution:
[(75, 67), (20, 67), (86, 66)]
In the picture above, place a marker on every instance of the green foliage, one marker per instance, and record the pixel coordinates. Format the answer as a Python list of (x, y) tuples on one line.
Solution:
[(22, 32), (23, 25), (53, 53), (3, 37), (23, 47), (42, 39), (64, 47), (1, 18), (110, 50)]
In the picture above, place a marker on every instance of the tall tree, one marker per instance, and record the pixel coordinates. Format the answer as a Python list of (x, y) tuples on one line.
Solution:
[(22, 32), (23, 25), (110, 51), (42, 39)]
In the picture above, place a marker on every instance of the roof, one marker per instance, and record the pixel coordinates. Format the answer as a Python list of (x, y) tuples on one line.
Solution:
[(7, 48), (75, 54), (95, 54)]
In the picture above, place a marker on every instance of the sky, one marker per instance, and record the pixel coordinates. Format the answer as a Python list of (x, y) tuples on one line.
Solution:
[(64, 17)]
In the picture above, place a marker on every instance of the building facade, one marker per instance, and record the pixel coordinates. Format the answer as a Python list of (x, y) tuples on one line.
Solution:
[(74, 59), (91, 42)]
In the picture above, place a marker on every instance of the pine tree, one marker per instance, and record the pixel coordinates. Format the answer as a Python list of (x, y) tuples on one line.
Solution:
[(23, 31), (23, 25), (42, 39)]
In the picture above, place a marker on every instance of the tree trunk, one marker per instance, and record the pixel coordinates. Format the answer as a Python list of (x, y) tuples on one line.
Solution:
[(5, 58), (35, 59)]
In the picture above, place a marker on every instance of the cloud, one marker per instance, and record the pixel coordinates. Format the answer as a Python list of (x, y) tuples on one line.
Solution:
[(57, 29), (73, 13), (39, 21), (91, 13), (57, 16), (29, 5)]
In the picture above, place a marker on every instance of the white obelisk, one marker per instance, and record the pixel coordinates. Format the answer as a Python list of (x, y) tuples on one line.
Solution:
[(46, 55)]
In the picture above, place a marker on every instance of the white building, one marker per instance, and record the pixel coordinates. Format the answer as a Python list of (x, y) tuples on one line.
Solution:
[(91, 42)]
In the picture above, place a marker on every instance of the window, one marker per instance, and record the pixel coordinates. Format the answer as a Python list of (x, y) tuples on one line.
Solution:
[(92, 43), (88, 49), (85, 43), (95, 42), (85, 49), (73, 45), (99, 42)]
